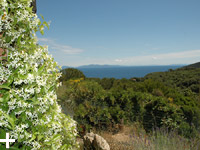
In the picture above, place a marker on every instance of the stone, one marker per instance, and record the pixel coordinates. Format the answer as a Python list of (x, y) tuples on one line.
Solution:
[(88, 140), (95, 142), (100, 143)]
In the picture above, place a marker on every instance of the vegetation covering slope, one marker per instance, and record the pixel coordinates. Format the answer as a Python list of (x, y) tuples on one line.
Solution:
[(185, 80), (168, 99), (195, 65)]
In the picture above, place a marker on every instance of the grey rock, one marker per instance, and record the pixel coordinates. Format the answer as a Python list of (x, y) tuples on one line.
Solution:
[(100, 143), (95, 142)]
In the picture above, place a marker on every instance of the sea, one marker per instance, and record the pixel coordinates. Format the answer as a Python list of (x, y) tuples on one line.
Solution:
[(125, 72)]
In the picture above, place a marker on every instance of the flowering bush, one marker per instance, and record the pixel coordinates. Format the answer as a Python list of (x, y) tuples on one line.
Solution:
[(28, 80)]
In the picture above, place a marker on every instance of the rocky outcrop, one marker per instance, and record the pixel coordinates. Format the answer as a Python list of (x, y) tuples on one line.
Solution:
[(95, 142)]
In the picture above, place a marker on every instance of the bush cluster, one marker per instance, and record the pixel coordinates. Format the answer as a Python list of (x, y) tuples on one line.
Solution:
[(29, 111), (110, 103)]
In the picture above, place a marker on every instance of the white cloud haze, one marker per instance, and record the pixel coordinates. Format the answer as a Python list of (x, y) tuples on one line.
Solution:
[(184, 57), (59, 47), (64, 54)]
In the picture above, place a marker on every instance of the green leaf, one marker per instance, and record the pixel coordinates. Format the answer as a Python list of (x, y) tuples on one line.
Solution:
[(33, 138), (40, 69), (2, 134), (10, 120), (39, 23), (51, 89), (6, 97), (3, 147), (40, 137), (29, 9), (46, 24), (42, 16), (1, 12), (9, 82), (14, 148), (18, 40), (8, 39), (16, 71), (56, 137), (42, 32)]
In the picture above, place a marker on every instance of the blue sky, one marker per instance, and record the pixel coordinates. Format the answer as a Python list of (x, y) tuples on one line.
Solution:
[(122, 32)]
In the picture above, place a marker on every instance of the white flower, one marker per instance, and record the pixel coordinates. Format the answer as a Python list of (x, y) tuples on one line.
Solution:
[(20, 5), (18, 12), (30, 93)]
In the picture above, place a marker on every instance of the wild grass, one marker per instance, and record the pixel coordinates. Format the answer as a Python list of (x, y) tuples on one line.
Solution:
[(160, 139)]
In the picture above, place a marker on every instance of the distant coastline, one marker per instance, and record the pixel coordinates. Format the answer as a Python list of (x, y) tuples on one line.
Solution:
[(119, 72), (119, 66)]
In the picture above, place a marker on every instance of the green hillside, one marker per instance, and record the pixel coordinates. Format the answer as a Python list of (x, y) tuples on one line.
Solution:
[(195, 65), (163, 99), (185, 80)]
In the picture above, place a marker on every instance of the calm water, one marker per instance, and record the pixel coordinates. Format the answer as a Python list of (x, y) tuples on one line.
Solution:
[(124, 72)]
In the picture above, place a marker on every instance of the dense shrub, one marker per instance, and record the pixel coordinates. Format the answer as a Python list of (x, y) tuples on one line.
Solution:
[(71, 73), (151, 101), (28, 80)]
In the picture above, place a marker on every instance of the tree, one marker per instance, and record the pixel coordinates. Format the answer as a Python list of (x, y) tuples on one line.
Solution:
[(28, 80), (71, 73)]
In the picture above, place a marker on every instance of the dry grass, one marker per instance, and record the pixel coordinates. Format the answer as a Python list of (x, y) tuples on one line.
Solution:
[(133, 138), (121, 140)]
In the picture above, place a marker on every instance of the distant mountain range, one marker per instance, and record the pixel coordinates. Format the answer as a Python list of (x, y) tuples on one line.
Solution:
[(64, 67), (109, 66), (99, 66), (93, 66)]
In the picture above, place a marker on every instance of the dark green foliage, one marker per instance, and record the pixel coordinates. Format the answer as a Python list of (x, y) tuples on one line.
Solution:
[(168, 99), (195, 65), (184, 80), (107, 83), (71, 73), (161, 112)]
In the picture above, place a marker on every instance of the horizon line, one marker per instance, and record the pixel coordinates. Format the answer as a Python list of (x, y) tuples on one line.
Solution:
[(126, 65)]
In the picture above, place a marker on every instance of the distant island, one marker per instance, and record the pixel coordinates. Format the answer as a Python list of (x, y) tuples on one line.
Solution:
[(94, 66), (119, 72), (115, 66)]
